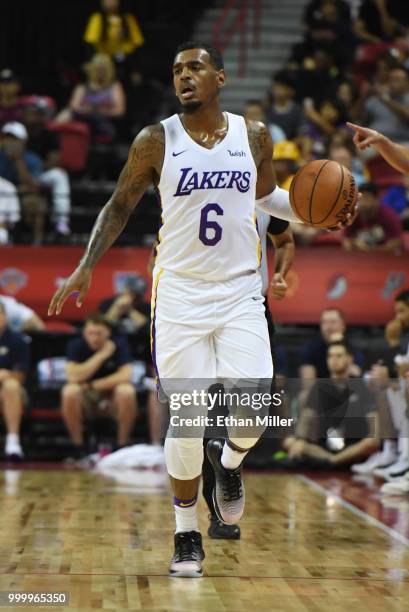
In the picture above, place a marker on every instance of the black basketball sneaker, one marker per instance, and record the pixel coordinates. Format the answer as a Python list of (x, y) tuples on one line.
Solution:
[(188, 557), (228, 494)]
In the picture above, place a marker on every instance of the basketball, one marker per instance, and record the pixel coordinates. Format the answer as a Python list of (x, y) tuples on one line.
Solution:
[(322, 193)]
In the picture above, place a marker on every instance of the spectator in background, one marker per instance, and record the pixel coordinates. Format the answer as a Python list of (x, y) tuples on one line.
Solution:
[(127, 310), (129, 313), (14, 365), (10, 108), (348, 95), (387, 110), (115, 33), (99, 374), (314, 352), (343, 155), (285, 159), (44, 143), (20, 318), (315, 11), (283, 110), (338, 422), (374, 23), (23, 168), (254, 111), (377, 227), (322, 123), (397, 329), (98, 102), (9, 210)]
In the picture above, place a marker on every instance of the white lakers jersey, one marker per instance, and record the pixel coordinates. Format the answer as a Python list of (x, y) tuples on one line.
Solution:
[(208, 204)]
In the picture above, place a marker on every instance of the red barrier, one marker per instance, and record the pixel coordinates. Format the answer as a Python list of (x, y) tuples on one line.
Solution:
[(361, 284)]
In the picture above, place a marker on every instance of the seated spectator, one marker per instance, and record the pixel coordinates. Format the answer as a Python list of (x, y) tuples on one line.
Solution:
[(44, 143), (338, 422), (374, 23), (348, 95), (344, 156), (387, 110), (20, 318), (314, 353), (10, 107), (127, 310), (314, 11), (14, 365), (23, 168), (254, 111), (376, 228), (397, 330), (283, 110), (322, 122), (285, 159), (99, 372), (329, 32), (9, 210), (98, 102), (115, 33), (129, 313)]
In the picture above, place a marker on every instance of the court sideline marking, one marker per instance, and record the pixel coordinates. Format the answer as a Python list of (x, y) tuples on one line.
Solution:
[(363, 515)]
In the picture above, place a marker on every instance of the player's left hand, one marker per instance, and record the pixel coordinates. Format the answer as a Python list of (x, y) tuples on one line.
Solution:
[(348, 219), (278, 287)]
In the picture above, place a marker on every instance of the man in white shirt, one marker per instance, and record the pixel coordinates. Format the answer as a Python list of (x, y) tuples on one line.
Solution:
[(20, 318), (9, 209)]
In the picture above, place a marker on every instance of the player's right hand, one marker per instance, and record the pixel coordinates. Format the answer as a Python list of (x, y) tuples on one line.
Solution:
[(364, 137), (79, 282)]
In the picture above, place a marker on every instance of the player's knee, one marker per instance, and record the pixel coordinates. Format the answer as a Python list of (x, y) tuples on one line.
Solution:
[(184, 457)]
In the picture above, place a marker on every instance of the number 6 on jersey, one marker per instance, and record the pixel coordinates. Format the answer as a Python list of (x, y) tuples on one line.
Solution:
[(205, 225)]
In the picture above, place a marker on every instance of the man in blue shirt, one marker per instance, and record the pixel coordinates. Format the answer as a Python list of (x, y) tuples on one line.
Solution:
[(99, 373), (14, 364), (24, 169)]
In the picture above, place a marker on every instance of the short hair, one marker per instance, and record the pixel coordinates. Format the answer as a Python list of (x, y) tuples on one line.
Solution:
[(285, 78), (216, 58), (338, 310), (98, 318), (342, 343), (403, 296)]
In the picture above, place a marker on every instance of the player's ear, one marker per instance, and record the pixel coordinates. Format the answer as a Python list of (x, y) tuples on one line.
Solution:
[(221, 78)]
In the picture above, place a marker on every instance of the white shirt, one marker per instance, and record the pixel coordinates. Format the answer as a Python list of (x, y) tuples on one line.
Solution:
[(16, 313)]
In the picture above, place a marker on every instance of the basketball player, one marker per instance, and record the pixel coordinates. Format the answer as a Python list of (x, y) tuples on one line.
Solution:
[(395, 154), (209, 167), (281, 236)]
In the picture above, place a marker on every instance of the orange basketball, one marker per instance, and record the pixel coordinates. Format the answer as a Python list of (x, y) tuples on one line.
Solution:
[(322, 193)]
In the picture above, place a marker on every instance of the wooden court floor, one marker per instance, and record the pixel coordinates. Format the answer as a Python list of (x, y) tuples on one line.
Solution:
[(108, 545)]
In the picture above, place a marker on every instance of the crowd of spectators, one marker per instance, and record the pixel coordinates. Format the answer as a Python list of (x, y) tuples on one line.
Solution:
[(36, 144), (351, 65)]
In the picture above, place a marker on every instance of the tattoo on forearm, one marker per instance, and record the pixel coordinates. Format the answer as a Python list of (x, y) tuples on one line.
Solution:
[(141, 169)]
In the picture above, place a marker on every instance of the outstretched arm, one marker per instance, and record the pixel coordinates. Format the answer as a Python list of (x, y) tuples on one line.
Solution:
[(396, 155), (142, 167)]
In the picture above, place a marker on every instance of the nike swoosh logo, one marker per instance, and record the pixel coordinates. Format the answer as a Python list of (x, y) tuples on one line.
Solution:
[(180, 153), (183, 505)]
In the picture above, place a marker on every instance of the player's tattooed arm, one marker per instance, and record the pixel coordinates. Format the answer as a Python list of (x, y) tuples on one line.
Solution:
[(261, 146), (142, 168)]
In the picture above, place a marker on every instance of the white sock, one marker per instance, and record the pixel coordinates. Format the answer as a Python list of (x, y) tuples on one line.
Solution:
[(231, 458), (13, 439), (186, 518), (389, 446)]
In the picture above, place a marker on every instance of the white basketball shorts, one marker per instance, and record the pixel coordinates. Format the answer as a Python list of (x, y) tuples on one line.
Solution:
[(209, 330)]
